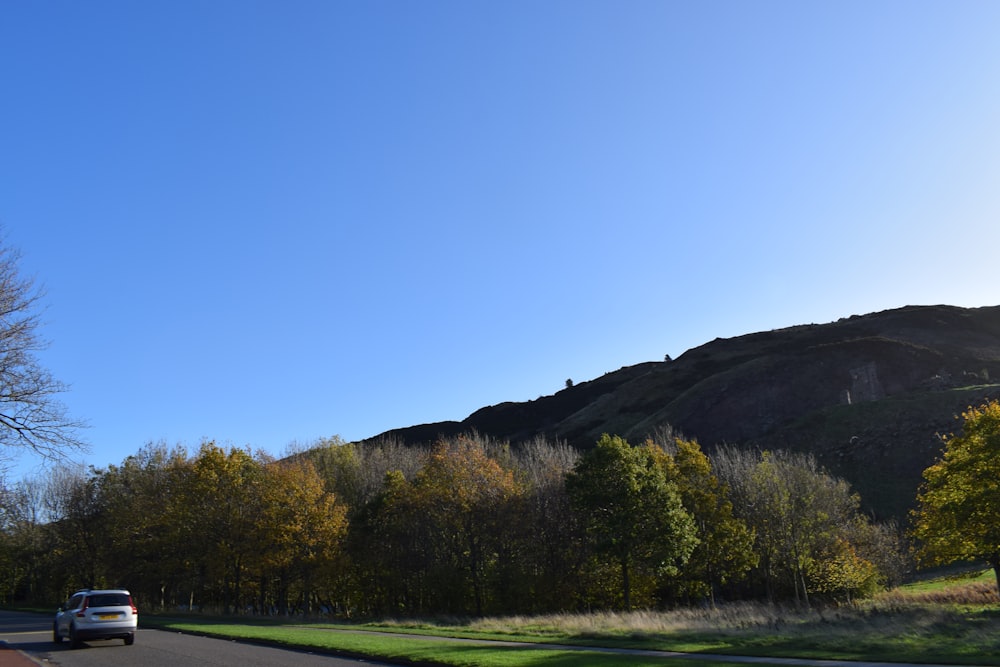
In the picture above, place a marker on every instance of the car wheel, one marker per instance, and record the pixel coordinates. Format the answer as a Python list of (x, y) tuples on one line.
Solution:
[(129, 639), (56, 637), (74, 641)]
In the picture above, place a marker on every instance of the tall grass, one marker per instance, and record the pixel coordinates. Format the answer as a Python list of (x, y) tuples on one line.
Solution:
[(980, 593), (733, 616), (947, 622), (963, 586)]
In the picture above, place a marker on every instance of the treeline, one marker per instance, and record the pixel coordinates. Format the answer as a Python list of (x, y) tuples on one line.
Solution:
[(467, 526)]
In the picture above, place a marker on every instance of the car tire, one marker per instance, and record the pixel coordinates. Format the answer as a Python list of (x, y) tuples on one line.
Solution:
[(74, 641), (130, 639), (56, 637)]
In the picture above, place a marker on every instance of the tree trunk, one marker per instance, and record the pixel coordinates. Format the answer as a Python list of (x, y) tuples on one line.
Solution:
[(995, 562), (626, 584), (475, 569)]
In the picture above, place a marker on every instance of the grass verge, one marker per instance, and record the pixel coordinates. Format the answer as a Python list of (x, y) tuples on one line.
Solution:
[(430, 650), (952, 622)]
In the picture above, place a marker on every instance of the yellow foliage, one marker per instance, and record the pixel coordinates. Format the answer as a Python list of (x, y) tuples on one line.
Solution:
[(959, 502)]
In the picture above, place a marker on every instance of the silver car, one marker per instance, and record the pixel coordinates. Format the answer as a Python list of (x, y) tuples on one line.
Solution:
[(96, 614)]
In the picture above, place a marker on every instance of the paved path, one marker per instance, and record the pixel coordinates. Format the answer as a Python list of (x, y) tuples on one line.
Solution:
[(15, 625), (12, 658)]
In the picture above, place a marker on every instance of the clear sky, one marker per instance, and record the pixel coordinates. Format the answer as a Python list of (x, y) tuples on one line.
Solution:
[(271, 222)]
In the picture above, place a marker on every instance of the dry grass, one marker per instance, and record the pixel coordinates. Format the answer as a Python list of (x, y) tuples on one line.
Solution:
[(729, 617), (908, 609), (976, 593), (900, 610), (947, 621)]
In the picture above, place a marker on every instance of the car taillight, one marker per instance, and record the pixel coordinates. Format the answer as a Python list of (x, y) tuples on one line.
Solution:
[(86, 602), (135, 612)]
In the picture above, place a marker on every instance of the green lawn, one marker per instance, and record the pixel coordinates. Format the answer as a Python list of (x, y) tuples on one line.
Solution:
[(950, 620), (391, 647), (956, 578)]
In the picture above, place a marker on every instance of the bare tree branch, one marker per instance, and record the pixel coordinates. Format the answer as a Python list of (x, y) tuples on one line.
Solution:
[(31, 416)]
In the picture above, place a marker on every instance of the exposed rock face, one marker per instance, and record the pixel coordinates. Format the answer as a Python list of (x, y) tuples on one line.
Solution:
[(864, 384)]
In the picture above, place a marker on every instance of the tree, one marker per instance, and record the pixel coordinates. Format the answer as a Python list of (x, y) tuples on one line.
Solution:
[(631, 509), (147, 514), (725, 548), (547, 535), (31, 418), (300, 529), (225, 492), (806, 524), (355, 473), (389, 557), (23, 544), (73, 502), (959, 502), (462, 494), (437, 543)]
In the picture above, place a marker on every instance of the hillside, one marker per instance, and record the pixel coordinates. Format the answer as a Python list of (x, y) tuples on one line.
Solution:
[(868, 395)]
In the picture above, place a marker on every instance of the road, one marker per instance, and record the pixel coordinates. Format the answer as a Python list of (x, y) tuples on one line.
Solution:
[(32, 635)]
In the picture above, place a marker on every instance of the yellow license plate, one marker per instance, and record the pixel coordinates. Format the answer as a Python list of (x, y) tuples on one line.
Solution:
[(107, 617)]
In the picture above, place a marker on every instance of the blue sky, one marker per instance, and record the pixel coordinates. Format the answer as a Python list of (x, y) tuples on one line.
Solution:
[(272, 222)]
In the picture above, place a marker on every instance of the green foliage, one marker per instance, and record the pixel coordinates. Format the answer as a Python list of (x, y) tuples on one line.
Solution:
[(632, 511), (959, 503), (725, 544), (841, 570), (810, 536)]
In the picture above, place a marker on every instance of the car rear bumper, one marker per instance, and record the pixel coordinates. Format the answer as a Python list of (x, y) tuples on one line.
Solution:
[(116, 631)]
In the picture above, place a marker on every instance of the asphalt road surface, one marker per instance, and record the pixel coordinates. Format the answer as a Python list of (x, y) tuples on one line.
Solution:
[(32, 634)]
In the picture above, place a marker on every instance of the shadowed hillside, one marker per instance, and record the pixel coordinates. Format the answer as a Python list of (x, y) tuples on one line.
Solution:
[(868, 395)]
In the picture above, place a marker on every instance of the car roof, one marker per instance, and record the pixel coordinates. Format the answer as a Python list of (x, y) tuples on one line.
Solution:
[(97, 591)]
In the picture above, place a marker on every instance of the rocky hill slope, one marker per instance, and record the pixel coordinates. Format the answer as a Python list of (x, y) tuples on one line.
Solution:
[(868, 395)]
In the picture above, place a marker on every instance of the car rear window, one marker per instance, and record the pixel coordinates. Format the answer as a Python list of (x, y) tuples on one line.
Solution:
[(109, 600)]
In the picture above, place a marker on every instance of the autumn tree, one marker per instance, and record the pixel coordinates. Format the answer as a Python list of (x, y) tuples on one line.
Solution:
[(725, 544), (547, 536), (225, 493), (632, 511), (300, 530), (437, 542), (389, 556), (146, 514), (959, 501), (463, 493), (356, 472), (805, 522)]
